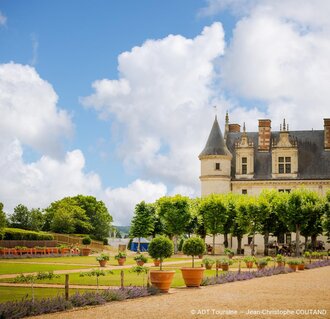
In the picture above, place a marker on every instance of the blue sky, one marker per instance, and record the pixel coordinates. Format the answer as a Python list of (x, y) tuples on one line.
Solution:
[(114, 98)]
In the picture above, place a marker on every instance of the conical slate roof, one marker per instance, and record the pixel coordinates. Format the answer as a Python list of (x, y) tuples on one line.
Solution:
[(215, 144)]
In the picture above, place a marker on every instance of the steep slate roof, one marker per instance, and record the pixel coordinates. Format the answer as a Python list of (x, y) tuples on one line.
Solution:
[(313, 160), (215, 144)]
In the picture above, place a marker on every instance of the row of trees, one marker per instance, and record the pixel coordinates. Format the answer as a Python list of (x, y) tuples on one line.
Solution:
[(71, 215), (271, 213)]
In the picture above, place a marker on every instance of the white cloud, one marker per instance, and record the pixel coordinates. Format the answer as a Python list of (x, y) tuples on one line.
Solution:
[(162, 104), (122, 200), (28, 110), (3, 19), (280, 55), (30, 116)]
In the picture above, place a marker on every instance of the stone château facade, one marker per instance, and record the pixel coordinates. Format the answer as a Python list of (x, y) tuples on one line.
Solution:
[(248, 162)]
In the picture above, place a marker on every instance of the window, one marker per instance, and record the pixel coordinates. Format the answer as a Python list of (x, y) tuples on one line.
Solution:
[(244, 165), (244, 191), (217, 166), (284, 165), (284, 190)]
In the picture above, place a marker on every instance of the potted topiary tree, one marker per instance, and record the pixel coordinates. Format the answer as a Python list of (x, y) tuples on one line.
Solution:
[(102, 259), (160, 248), (140, 259), (249, 260), (293, 264), (121, 258), (280, 259), (224, 263), (86, 241), (193, 246), (208, 262)]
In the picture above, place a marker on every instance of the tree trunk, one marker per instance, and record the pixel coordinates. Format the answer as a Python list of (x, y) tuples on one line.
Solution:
[(175, 244), (306, 243), (297, 240), (213, 245), (252, 249), (139, 245), (225, 242), (266, 241), (239, 243), (313, 240)]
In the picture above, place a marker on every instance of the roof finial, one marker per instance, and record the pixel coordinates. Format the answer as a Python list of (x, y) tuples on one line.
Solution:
[(280, 127), (287, 127), (215, 111), (227, 117), (284, 127), (244, 129)]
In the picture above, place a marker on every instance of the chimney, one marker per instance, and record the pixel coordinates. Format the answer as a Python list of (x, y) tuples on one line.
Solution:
[(264, 135), (234, 128), (327, 134)]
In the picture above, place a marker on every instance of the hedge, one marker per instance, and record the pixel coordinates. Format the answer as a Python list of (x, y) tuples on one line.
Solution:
[(21, 234)]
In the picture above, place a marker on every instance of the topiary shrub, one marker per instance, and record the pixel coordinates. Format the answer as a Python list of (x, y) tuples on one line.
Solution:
[(22, 234), (193, 246), (86, 240), (160, 248)]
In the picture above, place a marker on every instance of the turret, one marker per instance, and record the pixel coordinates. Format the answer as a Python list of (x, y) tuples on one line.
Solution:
[(215, 163)]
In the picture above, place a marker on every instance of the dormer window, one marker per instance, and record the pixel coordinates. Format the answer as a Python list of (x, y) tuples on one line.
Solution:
[(284, 165), (217, 166)]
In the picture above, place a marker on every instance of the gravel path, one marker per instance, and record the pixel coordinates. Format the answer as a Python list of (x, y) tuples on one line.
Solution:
[(297, 292)]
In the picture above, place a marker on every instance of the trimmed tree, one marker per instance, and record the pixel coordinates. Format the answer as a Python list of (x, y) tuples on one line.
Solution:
[(175, 215), (214, 213), (142, 224)]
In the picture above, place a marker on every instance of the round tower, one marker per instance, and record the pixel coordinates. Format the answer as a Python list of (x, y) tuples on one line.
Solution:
[(215, 163)]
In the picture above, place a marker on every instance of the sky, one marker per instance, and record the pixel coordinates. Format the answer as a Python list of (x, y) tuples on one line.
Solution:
[(115, 98)]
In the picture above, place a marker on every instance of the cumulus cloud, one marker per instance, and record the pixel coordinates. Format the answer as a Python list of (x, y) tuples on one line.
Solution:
[(30, 116), (162, 104), (29, 112), (3, 19), (280, 55), (122, 200)]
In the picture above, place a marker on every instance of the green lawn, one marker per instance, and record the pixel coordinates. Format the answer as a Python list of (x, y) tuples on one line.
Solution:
[(17, 268), (130, 278), (17, 293)]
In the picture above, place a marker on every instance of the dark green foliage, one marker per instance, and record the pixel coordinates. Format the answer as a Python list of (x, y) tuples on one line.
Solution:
[(214, 214), (21, 234), (98, 215), (160, 247), (3, 221), (142, 224), (175, 214), (193, 246), (79, 214), (86, 240)]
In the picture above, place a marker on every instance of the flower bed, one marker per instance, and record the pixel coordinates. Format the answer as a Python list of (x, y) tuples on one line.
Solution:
[(26, 307)]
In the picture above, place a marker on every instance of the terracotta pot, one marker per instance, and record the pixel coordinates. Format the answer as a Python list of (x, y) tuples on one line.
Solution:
[(121, 261), (156, 262), (261, 267), (102, 263), (162, 279), (84, 251), (208, 266), (249, 264), (192, 276), (280, 264), (293, 267), (301, 267), (140, 262), (224, 267)]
